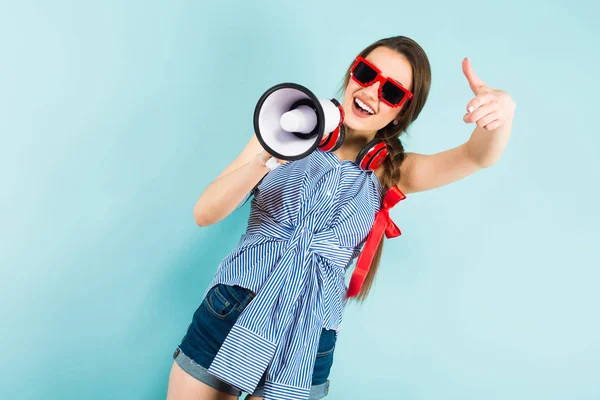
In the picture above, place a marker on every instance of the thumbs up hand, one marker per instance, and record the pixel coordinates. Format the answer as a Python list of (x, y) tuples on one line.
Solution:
[(490, 108)]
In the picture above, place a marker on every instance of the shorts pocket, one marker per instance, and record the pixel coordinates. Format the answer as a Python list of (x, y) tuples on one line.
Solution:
[(326, 343), (220, 303)]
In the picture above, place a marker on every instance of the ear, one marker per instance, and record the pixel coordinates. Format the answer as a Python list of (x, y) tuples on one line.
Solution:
[(398, 117)]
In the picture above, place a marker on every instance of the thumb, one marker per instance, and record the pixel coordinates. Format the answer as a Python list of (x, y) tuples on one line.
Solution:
[(474, 82)]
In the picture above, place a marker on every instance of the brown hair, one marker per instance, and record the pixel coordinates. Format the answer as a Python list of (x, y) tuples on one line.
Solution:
[(391, 133)]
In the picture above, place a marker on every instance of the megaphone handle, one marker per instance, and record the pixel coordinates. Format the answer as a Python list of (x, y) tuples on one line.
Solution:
[(272, 163)]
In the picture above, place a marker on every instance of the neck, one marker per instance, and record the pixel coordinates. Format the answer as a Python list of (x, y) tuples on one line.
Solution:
[(354, 142)]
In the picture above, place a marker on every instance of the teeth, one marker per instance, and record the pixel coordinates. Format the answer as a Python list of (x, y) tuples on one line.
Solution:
[(364, 106)]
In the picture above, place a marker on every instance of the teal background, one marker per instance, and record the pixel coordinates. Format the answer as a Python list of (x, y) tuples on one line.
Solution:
[(114, 117)]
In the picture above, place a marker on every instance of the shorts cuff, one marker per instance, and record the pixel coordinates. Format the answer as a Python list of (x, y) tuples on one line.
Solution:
[(199, 372), (316, 391)]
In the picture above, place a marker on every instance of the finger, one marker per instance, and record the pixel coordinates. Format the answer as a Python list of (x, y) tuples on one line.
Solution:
[(479, 101), (488, 119), (481, 112), (493, 125), (474, 81)]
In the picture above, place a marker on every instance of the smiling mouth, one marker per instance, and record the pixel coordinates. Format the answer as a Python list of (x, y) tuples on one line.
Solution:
[(361, 107)]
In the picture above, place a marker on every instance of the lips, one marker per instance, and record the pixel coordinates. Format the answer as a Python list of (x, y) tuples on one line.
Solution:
[(358, 111), (366, 102)]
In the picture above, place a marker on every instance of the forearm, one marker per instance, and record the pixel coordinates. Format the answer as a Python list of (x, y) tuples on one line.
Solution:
[(486, 147), (223, 195)]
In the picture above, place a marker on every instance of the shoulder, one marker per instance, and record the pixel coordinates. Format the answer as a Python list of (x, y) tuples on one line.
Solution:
[(411, 161), (406, 165)]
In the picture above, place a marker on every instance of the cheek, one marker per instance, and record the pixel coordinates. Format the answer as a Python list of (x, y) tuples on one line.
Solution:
[(386, 114), (351, 89), (347, 100)]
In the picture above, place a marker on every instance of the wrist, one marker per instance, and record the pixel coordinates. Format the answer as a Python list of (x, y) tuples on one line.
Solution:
[(258, 165)]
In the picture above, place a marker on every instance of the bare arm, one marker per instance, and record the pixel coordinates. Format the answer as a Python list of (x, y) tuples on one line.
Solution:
[(486, 147), (420, 172), (493, 111), (230, 187)]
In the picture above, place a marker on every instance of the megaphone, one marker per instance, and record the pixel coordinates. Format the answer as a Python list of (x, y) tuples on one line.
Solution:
[(290, 122)]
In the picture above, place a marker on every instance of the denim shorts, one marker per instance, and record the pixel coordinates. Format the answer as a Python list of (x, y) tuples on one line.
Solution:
[(211, 323)]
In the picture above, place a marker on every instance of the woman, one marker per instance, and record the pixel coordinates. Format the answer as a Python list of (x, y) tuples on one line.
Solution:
[(270, 318)]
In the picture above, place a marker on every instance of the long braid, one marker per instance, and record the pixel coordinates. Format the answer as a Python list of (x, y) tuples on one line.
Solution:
[(391, 133)]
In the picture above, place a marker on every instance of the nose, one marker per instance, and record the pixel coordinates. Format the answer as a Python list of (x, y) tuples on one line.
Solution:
[(372, 91)]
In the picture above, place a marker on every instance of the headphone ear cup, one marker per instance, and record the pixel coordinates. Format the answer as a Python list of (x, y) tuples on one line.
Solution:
[(372, 155), (334, 140), (341, 137)]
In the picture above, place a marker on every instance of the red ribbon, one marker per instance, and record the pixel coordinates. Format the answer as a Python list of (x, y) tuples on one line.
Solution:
[(383, 223)]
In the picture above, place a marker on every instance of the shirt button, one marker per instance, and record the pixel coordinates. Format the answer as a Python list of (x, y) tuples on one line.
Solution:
[(328, 193)]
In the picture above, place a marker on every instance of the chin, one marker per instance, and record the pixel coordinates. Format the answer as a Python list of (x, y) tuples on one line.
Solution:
[(360, 125), (354, 125)]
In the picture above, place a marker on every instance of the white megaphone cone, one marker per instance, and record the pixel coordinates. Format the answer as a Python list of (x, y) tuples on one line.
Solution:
[(290, 122)]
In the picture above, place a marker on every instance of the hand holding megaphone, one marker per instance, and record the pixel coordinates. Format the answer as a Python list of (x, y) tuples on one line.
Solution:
[(290, 122), (264, 158)]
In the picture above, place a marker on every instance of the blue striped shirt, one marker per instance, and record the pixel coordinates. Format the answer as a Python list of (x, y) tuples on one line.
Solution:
[(309, 219)]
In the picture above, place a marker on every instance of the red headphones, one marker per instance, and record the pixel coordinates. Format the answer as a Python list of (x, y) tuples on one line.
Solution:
[(369, 158)]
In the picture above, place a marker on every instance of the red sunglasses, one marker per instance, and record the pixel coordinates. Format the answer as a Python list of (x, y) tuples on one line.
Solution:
[(390, 92)]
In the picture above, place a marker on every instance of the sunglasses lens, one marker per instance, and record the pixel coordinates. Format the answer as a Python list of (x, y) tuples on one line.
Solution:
[(392, 93), (363, 73)]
